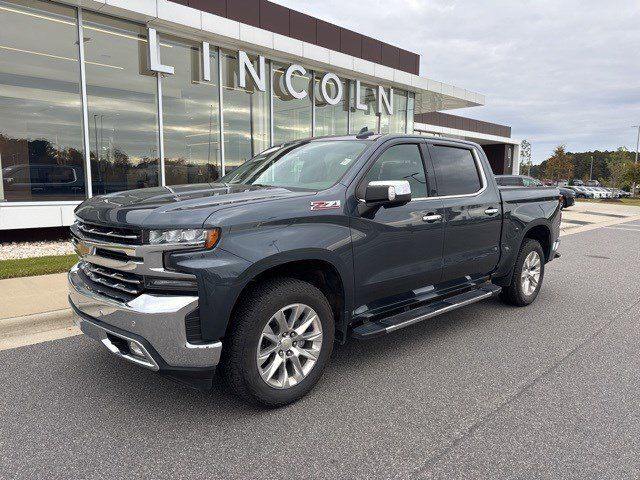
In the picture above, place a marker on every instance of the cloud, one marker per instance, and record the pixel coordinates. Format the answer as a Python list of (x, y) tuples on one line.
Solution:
[(558, 72)]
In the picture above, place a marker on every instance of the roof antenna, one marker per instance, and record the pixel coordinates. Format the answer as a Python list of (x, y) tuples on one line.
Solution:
[(364, 133)]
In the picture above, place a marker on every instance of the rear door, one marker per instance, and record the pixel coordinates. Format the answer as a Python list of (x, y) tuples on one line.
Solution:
[(473, 211)]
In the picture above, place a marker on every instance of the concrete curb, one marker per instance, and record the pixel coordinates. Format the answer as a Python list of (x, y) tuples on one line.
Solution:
[(38, 322)]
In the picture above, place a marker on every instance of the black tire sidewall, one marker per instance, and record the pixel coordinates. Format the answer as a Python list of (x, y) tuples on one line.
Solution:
[(528, 247), (292, 291)]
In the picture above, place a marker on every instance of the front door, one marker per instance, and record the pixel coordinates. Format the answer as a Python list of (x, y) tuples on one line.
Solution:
[(397, 250)]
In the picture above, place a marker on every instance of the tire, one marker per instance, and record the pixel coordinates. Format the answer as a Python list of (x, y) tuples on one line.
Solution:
[(516, 293), (257, 313), (581, 196), (564, 203)]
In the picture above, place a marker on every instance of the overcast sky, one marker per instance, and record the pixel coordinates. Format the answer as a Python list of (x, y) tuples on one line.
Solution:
[(556, 71)]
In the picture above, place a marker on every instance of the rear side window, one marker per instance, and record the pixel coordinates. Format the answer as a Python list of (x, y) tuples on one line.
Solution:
[(456, 170), (401, 162), (509, 181)]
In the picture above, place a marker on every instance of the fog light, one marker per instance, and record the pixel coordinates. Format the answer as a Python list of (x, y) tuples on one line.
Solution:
[(136, 350)]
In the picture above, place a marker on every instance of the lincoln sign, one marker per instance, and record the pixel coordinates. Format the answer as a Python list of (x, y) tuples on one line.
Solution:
[(259, 78)]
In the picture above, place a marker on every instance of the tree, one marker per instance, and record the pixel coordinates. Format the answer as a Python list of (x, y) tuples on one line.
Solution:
[(632, 173), (559, 165), (525, 157)]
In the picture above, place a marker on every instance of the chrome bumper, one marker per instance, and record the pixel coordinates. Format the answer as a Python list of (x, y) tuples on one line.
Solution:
[(156, 320)]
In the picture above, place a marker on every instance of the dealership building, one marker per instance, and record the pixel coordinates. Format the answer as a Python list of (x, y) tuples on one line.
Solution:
[(104, 96)]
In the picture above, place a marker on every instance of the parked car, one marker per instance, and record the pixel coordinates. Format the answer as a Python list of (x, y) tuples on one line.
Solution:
[(42, 182), (315, 240), (593, 183), (604, 192), (582, 192), (577, 183), (596, 193), (567, 195)]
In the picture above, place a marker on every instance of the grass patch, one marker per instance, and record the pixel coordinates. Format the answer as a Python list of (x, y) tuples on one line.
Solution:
[(28, 267), (635, 201)]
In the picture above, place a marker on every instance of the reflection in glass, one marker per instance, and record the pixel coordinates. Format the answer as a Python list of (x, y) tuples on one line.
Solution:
[(121, 95), (190, 115), (291, 116), (246, 113), (331, 119), (397, 122), (41, 152), (364, 118)]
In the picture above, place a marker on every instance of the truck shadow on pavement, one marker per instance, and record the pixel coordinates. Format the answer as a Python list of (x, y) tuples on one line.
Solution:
[(357, 364)]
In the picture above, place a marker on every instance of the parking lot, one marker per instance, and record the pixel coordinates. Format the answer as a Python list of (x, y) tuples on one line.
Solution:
[(490, 391)]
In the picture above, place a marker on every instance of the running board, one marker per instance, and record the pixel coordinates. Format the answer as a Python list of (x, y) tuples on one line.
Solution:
[(404, 319)]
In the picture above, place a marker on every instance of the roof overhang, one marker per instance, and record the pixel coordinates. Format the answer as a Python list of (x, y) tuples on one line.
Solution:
[(173, 18)]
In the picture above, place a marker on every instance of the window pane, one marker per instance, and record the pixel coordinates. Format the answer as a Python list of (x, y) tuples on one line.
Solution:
[(456, 171), (122, 102), (364, 118), (401, 162), (397, 122), (190, 115), (331, 119), (291, 116), (246, 114), (41, 151)]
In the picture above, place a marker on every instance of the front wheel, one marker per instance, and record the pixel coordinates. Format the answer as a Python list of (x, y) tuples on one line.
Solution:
[(527, 275), (279, 342)]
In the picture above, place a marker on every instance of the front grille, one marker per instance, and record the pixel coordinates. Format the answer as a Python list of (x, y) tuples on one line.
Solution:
[(113, 283), (127, 236)]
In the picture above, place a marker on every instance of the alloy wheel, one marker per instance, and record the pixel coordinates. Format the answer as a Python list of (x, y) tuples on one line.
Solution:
[(530, 276), (289, 346)]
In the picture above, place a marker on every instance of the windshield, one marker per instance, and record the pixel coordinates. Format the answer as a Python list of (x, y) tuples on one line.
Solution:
[(310, 166)]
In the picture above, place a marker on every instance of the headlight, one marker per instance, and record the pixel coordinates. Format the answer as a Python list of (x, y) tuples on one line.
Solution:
[(185, 236)]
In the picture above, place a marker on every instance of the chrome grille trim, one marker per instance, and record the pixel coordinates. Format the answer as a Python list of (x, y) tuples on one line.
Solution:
[(127, 283), (124, 235)]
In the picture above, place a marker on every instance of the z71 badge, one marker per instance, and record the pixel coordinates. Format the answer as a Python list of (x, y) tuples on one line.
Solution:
[(325, 205)]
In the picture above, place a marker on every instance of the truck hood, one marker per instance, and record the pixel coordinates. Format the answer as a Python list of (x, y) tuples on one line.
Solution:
[(185, 206)]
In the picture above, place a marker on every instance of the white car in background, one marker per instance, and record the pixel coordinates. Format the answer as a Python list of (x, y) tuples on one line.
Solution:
[(581, 192), (594, 190)]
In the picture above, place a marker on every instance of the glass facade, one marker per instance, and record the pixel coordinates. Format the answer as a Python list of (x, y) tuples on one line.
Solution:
[(209, 127), (41, 147), (122, 104), (291, 116), (245, 113), (397, 121), (190, 113), (331, 119), (364, 118)]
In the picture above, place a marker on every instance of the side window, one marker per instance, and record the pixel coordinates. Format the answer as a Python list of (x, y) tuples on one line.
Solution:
[(401, 162), (529, 182), (455, 169)]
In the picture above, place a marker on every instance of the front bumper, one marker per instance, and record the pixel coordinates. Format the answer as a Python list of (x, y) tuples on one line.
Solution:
[(155, 323)]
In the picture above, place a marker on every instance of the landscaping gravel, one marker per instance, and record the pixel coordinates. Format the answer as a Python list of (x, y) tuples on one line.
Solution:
[(15, 250)]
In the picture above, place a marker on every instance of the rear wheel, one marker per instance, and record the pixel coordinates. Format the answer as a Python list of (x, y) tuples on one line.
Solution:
[(279, 342), (527, 276)]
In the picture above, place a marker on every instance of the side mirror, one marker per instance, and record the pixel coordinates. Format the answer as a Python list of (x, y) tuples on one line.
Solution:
[(388, 192)]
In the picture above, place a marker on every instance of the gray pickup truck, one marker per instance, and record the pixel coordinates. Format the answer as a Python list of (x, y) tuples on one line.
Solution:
[(307, 244)]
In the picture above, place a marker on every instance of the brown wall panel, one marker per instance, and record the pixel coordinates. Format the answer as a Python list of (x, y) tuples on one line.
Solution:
[(274, 17), (328, 35), (302, 27), (282, 20), (371, 49), (350, 43), (217, 7), (245, 11), (390, 56), (469, 124)]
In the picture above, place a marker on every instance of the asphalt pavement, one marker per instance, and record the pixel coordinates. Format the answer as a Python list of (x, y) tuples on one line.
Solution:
[(490, 391)]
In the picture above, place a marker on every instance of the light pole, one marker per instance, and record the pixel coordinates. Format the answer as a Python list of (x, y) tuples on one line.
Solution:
[(633, 188), (591, 170)]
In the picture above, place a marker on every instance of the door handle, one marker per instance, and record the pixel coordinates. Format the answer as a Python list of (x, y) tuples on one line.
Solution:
[(491, 211), (432, 217)]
